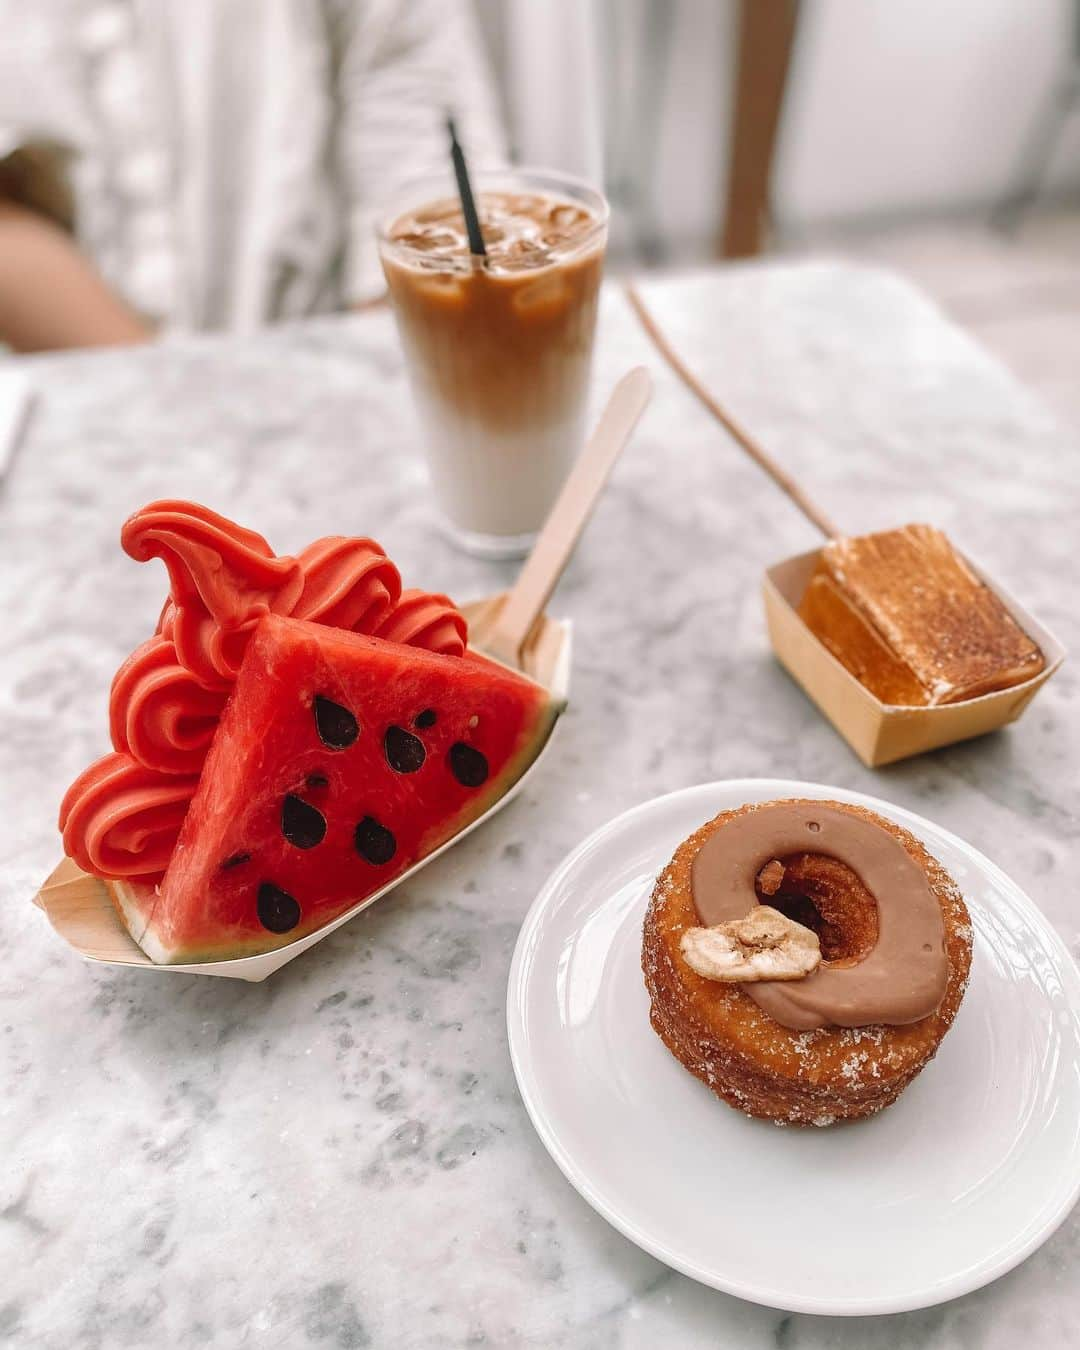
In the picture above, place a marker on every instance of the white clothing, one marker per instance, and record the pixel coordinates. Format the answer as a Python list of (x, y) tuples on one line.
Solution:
[(226, 159)]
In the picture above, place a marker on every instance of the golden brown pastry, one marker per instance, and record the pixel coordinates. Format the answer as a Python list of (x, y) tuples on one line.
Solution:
[(912, 622), (845, 1039)]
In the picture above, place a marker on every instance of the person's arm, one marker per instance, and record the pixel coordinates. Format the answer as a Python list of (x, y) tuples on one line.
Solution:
[(50, 294), (402, 66)]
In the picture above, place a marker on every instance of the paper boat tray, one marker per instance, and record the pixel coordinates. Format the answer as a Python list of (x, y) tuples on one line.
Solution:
[(880, 733), (79, 908)]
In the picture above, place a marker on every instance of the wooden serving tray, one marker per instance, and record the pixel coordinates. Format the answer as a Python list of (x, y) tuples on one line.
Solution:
[(511, 627), (881, 733), (80, 907)]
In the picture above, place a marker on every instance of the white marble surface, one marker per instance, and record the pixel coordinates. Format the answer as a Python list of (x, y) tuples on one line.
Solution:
[(338, 1157)]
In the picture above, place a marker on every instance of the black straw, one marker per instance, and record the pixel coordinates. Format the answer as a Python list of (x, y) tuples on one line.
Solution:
[(468, 205)]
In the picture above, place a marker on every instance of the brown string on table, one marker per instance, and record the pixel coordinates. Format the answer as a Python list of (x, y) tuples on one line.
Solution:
[(757, 453)]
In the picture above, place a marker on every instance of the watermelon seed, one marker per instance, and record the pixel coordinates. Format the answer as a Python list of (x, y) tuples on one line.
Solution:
[(337, 727), (301, 824), (425, 719), (468, 765), (374, 842), (277, 910), (236, 860), (405, 752), (317, 780)]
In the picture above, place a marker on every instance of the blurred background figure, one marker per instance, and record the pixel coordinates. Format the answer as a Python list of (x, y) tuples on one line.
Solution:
[(209, 165)]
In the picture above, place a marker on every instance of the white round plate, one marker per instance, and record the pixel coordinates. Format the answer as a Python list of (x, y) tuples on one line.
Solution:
[(975, 1166)]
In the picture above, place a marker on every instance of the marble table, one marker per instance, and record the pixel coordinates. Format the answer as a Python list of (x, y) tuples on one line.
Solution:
[(338, 1157)]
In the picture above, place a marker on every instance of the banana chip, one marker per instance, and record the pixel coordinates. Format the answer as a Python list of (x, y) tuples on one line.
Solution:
[(764, 945)]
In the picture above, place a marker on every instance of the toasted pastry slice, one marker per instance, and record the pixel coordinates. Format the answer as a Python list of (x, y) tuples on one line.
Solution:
[(826, 611), (911, 621)]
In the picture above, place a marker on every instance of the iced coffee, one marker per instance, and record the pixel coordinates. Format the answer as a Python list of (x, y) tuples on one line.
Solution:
[(499, 347)]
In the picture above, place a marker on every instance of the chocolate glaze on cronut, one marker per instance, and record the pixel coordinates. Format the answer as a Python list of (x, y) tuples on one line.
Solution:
[(902, 978)]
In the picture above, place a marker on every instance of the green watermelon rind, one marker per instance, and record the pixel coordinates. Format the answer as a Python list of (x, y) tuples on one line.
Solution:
[(125, 895)]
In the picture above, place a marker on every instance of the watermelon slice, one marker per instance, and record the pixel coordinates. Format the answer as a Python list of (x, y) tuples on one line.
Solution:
[(339, 762)]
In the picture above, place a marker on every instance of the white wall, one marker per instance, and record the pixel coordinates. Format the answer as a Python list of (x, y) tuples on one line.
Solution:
[(688, 191), (918, 105), (552, 76), (894, 107)]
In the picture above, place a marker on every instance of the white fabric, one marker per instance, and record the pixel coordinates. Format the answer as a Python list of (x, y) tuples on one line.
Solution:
[(227, 157)]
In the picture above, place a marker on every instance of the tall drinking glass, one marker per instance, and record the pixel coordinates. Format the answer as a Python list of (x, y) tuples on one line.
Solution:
[(498, 349)]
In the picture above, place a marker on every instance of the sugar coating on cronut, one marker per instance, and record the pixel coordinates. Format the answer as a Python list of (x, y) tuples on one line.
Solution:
[(769, 1071)]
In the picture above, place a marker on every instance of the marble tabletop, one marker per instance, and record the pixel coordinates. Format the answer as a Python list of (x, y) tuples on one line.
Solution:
[(338, 1157)]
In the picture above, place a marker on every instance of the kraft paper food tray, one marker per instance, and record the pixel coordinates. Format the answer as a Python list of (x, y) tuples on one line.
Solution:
[(880, 733), (79, 908)]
